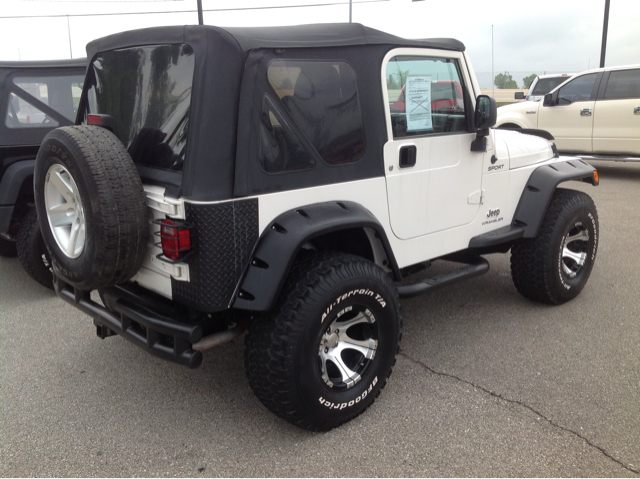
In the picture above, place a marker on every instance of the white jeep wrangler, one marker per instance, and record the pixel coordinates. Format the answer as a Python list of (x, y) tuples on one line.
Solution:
[(268, 179)]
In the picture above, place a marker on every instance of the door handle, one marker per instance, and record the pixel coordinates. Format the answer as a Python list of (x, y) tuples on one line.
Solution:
[(636, 110), (408, 156), (586, 112)]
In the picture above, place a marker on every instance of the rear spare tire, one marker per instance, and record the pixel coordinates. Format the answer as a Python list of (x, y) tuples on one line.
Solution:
[(91, 206)]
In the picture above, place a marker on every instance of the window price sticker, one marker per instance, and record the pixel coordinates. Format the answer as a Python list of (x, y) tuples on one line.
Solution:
[(418, 106)]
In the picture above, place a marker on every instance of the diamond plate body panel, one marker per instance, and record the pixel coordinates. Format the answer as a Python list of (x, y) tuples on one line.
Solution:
[(224, 237)]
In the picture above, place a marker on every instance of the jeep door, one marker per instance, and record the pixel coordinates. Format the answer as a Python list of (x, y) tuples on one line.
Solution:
[(570, 121), (616, 121), (433, 178)]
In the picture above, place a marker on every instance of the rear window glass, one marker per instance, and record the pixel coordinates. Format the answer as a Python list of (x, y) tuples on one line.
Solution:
[(43, 101), (147, 91), (623, 85), (321, 99)]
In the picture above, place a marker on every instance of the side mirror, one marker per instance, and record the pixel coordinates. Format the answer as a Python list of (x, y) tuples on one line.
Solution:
[(548, 100), (485, 117), (519, 95), (486, 112)]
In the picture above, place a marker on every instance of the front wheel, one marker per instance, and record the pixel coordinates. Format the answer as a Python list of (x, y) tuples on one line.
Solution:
[(555, 266), (327, 350)]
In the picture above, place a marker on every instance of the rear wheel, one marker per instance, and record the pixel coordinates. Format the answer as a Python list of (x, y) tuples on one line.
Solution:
[(32, 252), (327, 350), (555, 266), (91, 206), (8, 247)]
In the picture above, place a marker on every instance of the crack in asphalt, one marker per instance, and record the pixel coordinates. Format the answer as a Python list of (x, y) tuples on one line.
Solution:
[(526, 406)]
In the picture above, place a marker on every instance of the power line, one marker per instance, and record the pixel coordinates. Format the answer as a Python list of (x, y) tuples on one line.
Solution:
[(191, 11)]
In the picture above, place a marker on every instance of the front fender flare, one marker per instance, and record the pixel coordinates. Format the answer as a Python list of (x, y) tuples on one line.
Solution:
[(281, 241), (537, 194)]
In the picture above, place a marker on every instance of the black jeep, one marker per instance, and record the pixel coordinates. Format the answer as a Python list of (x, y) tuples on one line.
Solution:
[(35, 97)]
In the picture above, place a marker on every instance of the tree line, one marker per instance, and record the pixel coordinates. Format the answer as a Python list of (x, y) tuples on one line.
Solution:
[(506, 81)]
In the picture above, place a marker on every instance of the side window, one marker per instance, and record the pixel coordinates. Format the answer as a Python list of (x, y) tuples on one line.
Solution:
[(40, 100), (579, 89), (425, 96), (280, 149), (623, 85), (321, 98)]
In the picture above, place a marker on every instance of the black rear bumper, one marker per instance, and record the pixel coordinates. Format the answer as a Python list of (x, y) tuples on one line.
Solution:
[(130, 315)]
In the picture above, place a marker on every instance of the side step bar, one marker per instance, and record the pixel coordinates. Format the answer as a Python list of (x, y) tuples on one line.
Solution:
[(474, 267)]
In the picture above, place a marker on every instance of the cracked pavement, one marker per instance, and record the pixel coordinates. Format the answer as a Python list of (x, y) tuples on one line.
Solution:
[(486, 384)]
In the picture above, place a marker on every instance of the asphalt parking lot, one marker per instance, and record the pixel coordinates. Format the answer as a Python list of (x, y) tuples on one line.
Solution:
[(486, 384)]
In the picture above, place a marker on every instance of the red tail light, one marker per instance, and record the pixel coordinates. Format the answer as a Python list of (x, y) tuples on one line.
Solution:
[(175, 239), (94, 120)]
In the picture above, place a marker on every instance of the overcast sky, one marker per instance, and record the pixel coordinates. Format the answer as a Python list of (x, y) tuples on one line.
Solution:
[(528, 36)]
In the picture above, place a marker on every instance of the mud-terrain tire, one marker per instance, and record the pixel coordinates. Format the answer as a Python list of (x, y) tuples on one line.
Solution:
[(335, 309), (91, 206), (32, 252), (554, 267), (8, 248)]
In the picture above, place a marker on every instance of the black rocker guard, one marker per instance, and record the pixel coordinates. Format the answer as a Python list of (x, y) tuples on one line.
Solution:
[(130, 316)]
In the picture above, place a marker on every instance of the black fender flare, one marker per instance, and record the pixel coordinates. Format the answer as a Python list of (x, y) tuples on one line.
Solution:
[(14, 176), (281, 241), (537, 194)]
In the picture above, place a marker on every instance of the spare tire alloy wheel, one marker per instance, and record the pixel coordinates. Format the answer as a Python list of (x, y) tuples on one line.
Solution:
[(323, 355), (91, 207), (64, 211)]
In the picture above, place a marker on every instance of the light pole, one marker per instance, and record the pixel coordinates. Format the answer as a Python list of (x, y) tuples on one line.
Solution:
[(69, 32), (605, 27), (200, 20)]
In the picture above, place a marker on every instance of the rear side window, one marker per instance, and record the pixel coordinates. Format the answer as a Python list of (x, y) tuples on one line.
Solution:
[(321, 100), (147, 91), (623, 85), (44, 101), (425, 96)]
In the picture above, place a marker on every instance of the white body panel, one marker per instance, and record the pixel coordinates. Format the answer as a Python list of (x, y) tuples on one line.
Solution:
[(616, 127)]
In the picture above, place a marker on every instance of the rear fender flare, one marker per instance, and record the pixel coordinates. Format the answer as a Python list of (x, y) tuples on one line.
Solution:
[(537, 194), (281, 241)]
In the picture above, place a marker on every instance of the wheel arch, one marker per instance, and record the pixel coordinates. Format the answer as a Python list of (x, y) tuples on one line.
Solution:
[(340, 226), (509, 125), (540, 187), (16, 184)]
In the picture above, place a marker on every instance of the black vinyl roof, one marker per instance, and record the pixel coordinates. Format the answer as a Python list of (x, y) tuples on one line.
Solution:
[(76, 62), (249, 38)]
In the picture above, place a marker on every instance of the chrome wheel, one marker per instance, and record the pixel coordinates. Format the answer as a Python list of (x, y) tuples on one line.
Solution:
[(574, 249), (348, 347), (65, 213)]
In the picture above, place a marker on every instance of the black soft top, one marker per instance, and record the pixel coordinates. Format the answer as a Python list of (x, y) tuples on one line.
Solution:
[(7, 68), (220, 160), (250, 38)]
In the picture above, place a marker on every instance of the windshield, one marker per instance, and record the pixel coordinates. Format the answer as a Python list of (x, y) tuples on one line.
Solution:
[(545, 85), (147, 91)]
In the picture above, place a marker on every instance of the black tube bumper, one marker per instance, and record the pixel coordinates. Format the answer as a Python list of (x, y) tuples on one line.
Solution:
[(128, 314)]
